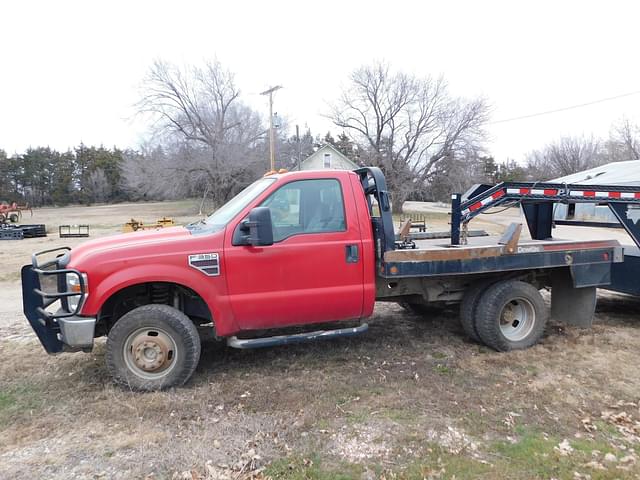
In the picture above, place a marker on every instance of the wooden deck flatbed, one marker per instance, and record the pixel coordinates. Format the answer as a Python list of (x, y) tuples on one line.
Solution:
[(493, 254)]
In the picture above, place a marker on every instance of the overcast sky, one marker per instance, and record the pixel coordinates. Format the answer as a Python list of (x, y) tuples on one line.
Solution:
[(70, 71)]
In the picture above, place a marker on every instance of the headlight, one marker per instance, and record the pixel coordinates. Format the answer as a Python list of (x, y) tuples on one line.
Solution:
[(73, 285)]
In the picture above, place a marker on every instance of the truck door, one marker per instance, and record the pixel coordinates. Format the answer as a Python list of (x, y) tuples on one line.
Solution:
[(313, 272)]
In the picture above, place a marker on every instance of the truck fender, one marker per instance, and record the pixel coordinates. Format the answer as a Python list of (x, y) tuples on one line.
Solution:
[(217, 302)]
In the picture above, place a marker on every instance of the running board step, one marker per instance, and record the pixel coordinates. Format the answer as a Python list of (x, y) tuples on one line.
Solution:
[(236, 342)]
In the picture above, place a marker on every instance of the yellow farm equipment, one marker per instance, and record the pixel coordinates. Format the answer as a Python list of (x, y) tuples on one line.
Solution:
[(134, 225)]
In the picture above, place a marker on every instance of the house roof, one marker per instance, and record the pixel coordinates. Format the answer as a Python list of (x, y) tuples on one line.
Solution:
[(328, 146), (617, 173)]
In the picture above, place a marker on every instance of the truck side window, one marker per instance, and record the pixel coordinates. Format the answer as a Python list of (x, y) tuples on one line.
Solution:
[(306, 206)]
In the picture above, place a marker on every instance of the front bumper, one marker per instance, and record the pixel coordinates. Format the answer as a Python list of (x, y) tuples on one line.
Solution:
[(62, 330)]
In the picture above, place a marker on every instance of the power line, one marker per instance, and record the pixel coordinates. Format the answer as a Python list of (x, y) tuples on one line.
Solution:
[(564, 109)]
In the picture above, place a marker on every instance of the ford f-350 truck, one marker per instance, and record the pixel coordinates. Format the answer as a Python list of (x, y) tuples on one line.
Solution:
[(302, 249)]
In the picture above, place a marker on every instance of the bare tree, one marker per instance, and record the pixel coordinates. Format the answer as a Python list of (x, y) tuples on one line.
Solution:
[(454, 175), (564, 157), (214, 139), (99, 186), (406, 125), (625, 140)]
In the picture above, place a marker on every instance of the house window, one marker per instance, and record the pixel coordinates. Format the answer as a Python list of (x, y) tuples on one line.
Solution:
[(327, 160)]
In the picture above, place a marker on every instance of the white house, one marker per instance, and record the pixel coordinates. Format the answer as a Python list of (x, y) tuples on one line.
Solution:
[(327, 156), (618, 173)]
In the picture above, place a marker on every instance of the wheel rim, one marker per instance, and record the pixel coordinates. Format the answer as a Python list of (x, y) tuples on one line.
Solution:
[(150, 353), (517, 319)]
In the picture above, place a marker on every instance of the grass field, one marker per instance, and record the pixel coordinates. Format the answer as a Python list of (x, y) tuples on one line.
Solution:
[(410, 399)]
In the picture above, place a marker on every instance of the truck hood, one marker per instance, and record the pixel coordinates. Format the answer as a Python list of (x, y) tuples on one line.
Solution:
[(147, 241)]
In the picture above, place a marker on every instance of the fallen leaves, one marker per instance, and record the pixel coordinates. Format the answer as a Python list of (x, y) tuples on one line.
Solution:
[(564, 448), (510, 419), (624, 422), (588, 425), (245, 469)]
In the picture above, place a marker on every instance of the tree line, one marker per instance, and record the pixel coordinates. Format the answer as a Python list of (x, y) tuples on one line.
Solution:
[(44, 176), (205, 141)]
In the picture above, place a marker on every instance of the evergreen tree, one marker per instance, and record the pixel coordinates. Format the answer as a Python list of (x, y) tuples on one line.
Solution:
[(489, 168), (38, 167), (5, 179), (347, 147), (510, 171), (328, 139), (62, 187)]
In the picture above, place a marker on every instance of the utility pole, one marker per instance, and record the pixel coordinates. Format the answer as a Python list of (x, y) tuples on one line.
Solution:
[(272, 139), (298, 142)]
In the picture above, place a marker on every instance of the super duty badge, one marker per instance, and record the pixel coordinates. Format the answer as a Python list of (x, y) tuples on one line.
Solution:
[(207, 263)]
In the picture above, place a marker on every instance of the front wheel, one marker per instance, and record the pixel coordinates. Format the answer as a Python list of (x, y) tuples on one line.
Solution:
[(511, 315), (153, 347)]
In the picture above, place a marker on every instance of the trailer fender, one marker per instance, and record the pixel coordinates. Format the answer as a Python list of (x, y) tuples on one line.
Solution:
[(591, 275), (572, 303)]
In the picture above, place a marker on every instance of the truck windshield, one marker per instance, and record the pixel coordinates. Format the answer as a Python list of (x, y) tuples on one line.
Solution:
[(225, 214)]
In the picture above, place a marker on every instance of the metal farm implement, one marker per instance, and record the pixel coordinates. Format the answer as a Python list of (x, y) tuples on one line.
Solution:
[(12, 212)]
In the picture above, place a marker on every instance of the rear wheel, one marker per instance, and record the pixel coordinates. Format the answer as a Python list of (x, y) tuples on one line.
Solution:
[(510, 315), (468, 308), (153, 347), (13, 218)]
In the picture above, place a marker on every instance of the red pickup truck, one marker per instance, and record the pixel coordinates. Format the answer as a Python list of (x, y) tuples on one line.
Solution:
[(295, 249)]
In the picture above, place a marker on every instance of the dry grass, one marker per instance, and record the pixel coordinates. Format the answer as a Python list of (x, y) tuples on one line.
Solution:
[(380, 401)]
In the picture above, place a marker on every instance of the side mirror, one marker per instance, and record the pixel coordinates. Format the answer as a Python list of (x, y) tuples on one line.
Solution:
[(259, 227)]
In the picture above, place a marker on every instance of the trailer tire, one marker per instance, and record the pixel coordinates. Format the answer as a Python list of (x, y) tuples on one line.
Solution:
[(13, 218), (153, 347), (511, 315), (468, 308)]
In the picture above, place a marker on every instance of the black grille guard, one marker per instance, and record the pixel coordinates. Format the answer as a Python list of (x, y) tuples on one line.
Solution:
[(36, 301)]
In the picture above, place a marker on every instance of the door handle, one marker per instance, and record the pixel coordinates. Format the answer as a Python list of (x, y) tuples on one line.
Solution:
[(352, 253)]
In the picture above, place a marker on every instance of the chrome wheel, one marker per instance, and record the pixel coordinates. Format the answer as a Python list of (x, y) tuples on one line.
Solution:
[(517, 319), (150, 353)]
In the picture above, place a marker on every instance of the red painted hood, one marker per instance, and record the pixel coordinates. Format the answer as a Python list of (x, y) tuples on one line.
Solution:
[(128, 246)]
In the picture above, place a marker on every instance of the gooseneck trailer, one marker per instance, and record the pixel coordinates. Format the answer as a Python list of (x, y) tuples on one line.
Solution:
[(306, 249), (538, 201)]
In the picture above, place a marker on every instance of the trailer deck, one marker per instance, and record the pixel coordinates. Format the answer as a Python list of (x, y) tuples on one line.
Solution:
[(478, 246), (493, 254)]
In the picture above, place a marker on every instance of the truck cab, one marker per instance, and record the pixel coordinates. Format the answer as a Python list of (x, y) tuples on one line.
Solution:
[(290, 249)]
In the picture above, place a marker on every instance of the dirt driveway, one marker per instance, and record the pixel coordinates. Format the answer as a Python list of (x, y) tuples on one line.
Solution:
[(411, 398)]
